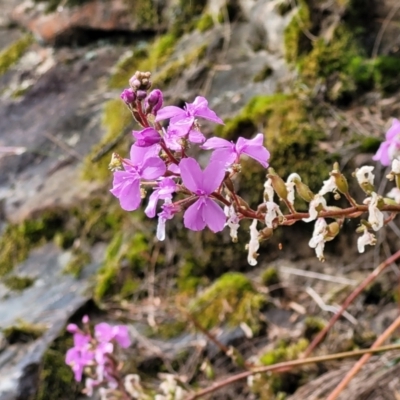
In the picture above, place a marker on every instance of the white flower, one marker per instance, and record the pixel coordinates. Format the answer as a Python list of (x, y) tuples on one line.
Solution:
[(376, 216), (317, 241), (268, 190), (367, 238), (273, 211), (329, 186), (394, 194), (317, 201), (396, 166), (290, 185), (253, 245), (364, 175), (232, 222)]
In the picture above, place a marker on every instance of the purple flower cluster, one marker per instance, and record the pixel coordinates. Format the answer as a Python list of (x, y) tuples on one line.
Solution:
[(93, 353), (159, 161)]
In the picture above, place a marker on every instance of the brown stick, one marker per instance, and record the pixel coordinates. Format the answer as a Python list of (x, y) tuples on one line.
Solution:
[(360, 363), (287, 365)]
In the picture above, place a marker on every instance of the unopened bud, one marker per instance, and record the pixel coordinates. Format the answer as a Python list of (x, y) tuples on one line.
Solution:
[(332, 230), (128, 96), (304, 191), (265, 234), (340, 181), (154, 101), (141, 95), (278, 184)]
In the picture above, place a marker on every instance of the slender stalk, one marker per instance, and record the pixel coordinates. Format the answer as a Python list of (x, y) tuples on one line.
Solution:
[(363, 360), (370, 278), (287, 365)]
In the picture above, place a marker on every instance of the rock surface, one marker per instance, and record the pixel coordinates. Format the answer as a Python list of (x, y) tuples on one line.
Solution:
[(49, 303)]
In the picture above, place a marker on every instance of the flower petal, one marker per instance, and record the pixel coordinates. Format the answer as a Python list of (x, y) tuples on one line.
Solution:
[(193, 217), (202, 110), (153, 168), (129, 195), (170, 112), (216, 143), (213, 215), (213, 175), (191, 173)]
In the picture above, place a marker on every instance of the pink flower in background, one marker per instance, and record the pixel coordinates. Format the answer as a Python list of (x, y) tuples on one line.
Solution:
[(104, 333), (390, 148), (183, 119), (143, 164), (204, 211), (229, 152)]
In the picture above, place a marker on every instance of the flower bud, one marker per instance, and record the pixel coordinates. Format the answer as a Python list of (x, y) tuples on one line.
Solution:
[(304, 191), (365, 178), (265, 234), (115, 163), (154, 101), (331, 231), (128, 96), (278, 184), (340, 181), (141, 95)]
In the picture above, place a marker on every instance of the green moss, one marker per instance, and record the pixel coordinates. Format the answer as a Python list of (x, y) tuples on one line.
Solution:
[(186, 14), (205, 23), (189, 277), (296, 42), (231, 299), (80, 259), (145, 12), (313, 325), (276, 386), (93, 220), (175, 68), (23, 332), (143, 59), (17, 240), (19, 283), (56, 379), (10, 55), (132, 251), (369, 144), (270, 277), (265, 73), (116, 119)]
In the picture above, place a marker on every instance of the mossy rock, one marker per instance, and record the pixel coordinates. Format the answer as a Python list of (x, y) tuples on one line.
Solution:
[(231, 299), (205, 22), (23, 332), (17, 282), (79, 260), (10, 55), (94, 220), (116, 120), (126, 261), (296, 42)]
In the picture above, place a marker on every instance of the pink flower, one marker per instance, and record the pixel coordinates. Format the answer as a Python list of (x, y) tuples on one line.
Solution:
[(164, 191), (146, 137), (204, 211), (229, 152), (106, 333), (183, 119), (390, 148), (78, 358), (143, 164)]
